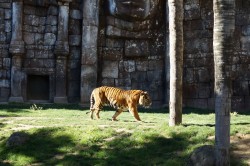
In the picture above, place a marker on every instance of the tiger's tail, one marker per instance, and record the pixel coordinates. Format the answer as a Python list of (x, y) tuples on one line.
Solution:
[(92, 100)]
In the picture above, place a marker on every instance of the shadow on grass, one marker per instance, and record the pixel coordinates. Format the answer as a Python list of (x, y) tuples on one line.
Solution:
[(46, 147), (213, 125), (2, 125), (24, 107), (42, 147), (200, 125), (17, 107), (241, 123), (184, 111)]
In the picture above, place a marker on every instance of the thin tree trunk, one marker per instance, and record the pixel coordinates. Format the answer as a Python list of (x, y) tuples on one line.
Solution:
[(176, 60), (224, 24)]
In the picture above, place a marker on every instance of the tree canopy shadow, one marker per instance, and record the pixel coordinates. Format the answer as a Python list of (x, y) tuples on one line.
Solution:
[(186, 110), (42, 146), (25, 107), (213, 125), (157, 150), (45, 148), (201, 125), (2, 124)]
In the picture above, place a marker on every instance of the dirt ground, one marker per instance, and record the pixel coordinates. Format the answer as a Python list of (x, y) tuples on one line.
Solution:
[(240, 144)]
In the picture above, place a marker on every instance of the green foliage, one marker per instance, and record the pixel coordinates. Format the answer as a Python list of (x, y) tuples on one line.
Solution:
[(65, 135), (34, 107)]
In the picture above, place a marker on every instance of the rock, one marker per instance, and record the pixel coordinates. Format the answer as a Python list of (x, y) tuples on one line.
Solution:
[(17, 139), (203, 156)]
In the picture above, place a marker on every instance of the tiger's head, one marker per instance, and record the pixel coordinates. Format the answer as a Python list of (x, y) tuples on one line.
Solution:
[(145, 99)]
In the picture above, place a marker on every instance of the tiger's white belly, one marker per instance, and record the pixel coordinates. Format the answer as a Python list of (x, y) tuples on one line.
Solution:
[(113, 103)]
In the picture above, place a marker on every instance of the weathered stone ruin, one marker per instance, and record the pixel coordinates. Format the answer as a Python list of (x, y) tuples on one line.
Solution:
[(59, 50)]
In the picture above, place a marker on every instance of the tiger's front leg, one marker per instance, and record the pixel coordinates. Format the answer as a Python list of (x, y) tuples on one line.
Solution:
[(118, 112), (134, 112)]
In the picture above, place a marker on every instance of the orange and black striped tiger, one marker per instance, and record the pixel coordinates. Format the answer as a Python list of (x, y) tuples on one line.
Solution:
[(121, 100)]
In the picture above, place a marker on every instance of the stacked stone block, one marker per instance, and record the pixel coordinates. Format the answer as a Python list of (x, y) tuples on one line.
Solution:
[(40, 34), (40, 28), (74, 64), (5, 59), (241, 58), (198, 54), (89, 54)]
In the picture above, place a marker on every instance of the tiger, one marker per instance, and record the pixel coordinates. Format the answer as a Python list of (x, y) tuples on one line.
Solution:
[(121, 100)]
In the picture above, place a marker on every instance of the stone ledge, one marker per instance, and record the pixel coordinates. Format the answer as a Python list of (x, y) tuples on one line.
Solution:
[(61, 100), (16, 99)]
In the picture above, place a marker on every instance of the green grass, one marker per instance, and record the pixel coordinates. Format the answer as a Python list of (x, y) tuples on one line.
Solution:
[(65, 135)]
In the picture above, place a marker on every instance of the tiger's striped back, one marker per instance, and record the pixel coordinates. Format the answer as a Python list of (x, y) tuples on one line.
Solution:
[(115, 97)]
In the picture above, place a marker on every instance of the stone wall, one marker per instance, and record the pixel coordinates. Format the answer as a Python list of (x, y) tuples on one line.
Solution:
[(241, 59), (75, 43), (5, 59), (35, 42), (132, 53), (40, 33), (80, 45), (198, 55)]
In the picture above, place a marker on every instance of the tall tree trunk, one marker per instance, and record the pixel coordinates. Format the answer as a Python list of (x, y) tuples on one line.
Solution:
[(176, 60), (224, 24)]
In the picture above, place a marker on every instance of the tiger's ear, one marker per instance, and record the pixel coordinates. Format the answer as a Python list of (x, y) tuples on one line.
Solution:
[(144, 93)]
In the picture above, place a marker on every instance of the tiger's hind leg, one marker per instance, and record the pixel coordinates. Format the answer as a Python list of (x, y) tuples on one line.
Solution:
[(92, 104), (97, 113), (118, 112), (96, 109), (92, 110)]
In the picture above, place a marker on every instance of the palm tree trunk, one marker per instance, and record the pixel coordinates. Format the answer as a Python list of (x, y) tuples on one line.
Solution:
[(176, 60), (224, 24)]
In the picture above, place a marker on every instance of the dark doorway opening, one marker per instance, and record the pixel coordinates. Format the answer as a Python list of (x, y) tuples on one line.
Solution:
[(38, 87)]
